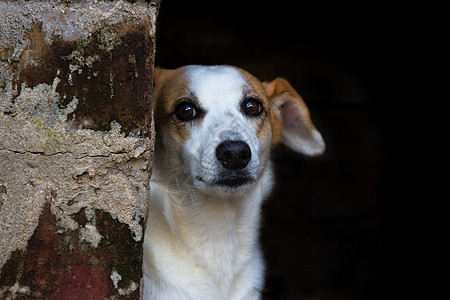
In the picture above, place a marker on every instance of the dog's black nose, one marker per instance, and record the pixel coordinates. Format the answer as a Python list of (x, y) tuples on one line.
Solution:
[(233, 155)]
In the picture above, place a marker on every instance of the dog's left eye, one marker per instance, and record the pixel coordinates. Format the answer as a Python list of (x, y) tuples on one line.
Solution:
[(252, 107), (185, 111)]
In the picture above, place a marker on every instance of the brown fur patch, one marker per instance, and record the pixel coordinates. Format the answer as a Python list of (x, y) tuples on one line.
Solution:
[(266, 126), (279, 91), (169, 87)]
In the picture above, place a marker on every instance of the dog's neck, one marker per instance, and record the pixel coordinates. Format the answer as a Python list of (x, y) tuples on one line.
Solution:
[(210, 228)]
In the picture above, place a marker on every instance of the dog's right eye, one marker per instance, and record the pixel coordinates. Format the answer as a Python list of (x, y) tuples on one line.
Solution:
[(185, 111)]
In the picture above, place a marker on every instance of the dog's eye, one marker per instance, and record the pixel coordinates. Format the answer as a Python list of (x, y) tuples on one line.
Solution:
[(252, 107), (185, 111)]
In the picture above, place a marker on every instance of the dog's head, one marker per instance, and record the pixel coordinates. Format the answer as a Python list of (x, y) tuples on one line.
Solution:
[(216, 125)]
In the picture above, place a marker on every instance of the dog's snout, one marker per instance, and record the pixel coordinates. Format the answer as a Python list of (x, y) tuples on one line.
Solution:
[(233, 155)]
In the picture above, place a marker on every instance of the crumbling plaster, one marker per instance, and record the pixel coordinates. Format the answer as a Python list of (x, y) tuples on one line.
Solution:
[(44, 158)]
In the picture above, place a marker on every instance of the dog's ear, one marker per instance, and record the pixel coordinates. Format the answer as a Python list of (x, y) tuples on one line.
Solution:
[(158, 75), (291, 120)]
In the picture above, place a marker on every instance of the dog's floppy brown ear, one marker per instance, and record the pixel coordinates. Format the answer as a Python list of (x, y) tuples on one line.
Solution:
[(289, 111)]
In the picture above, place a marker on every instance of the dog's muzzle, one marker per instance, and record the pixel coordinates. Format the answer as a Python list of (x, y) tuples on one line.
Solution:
[(234, 157)]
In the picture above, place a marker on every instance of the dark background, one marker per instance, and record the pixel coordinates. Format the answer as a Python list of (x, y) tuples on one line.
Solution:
[(330, 227)]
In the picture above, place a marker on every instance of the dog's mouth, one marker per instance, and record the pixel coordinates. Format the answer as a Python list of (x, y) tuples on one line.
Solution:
[(232, 181)]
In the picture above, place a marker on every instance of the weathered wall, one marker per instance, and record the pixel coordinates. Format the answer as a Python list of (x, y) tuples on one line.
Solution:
[(76, 142)]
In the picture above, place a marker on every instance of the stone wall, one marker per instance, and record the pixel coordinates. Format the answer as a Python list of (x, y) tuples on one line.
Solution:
[(76, 144)]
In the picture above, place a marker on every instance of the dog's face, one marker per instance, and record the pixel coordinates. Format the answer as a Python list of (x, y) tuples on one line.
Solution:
[(215, 126)]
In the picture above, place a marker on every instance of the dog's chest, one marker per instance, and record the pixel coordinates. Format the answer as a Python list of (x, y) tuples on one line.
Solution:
[(204, 251)]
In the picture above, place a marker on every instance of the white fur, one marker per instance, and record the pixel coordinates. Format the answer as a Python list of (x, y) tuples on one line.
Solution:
[(216, 256), (201, 243), (201, 240), (220, 90)]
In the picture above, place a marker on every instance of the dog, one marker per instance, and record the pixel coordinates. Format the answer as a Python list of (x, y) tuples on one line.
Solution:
[(215, 128)]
